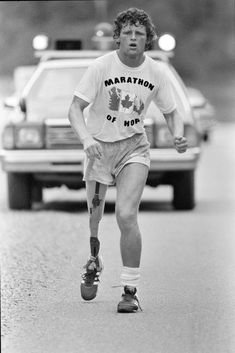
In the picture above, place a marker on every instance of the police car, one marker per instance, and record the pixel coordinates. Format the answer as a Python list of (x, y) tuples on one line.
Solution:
[(40, 149), (204, 113)]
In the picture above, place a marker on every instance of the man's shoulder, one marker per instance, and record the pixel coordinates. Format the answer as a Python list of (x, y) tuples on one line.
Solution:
[(154, 63), (104, 58), (157, 67)]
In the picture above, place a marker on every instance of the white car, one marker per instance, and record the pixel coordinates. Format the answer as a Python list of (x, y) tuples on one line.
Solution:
[(41, 150), (203, 111)]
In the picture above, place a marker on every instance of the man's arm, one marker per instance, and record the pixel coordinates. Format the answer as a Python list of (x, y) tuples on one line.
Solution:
[(176, 126), (76, 118)]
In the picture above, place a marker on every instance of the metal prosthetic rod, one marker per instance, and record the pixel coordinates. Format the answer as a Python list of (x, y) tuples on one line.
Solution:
[(96, 200), (94, 241)]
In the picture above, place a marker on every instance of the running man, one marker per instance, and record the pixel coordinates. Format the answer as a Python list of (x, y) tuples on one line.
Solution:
[(117, 89)]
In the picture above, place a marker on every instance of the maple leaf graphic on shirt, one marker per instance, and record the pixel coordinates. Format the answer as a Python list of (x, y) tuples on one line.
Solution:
[(126, 103), (139, 107), (114, 100)]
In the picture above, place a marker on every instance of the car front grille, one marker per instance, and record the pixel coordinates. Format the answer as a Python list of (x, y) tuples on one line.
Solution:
[(61, 137)]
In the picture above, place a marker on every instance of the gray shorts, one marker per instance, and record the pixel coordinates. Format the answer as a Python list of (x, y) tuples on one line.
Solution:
[(116, 155)]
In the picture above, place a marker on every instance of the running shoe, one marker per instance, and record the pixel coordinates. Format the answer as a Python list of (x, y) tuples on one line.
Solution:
[(129, 302), (90, 278)]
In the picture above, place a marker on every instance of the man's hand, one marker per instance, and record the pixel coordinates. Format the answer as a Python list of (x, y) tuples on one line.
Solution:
[(180, 143), (92, 148)]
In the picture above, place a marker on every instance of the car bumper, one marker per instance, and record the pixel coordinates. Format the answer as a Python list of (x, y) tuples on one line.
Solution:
[(32, 161), (170, 159), (71, 161)]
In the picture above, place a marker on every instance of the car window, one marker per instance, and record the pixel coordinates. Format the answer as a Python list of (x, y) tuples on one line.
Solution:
[(52, 92), (56, 83)]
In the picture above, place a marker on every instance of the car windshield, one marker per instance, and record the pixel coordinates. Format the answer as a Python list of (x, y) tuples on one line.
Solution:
[(52, 92)]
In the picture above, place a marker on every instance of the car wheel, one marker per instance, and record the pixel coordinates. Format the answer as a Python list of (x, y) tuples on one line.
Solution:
[(37, 192), (184, 190), (19, 191), (206, 137)]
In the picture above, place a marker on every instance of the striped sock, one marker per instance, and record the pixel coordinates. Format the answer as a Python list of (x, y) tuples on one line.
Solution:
[(130, 276)]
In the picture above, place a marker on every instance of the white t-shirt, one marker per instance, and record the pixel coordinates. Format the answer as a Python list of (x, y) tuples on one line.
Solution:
[(119, 96)]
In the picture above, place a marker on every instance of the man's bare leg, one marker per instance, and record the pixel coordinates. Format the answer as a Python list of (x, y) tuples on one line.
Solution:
[(130, 185)]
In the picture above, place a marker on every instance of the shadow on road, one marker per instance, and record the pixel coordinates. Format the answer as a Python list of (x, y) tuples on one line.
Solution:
[(81, 206)]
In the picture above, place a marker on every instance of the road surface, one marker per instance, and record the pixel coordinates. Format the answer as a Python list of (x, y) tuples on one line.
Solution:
[(187, 286)]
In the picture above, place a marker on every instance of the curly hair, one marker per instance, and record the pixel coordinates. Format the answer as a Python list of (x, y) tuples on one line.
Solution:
[(133, 16)]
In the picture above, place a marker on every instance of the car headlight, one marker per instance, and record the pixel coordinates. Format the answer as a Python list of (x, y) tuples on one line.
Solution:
[(8, 141), (164, 138), (29, 136), (192, 136)]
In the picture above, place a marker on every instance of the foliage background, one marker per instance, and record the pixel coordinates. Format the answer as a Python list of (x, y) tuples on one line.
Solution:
[(204, 29)]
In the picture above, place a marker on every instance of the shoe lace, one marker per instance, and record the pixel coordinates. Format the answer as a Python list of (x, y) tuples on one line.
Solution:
[(132, 296), (90, 276), (137, 299), (126, 295), (90, 262)]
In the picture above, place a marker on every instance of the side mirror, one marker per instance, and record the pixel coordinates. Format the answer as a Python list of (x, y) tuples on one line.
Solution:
[(11, 102), (22, 104), (196, 98)]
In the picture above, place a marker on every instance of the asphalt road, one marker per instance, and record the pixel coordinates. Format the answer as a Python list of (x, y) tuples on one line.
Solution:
[(187, 288)]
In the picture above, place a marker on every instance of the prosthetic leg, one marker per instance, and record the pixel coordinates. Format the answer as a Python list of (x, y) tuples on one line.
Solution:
[(94, 265)]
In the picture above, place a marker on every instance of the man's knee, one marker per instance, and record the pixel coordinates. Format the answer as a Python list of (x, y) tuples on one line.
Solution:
[(126, 216)]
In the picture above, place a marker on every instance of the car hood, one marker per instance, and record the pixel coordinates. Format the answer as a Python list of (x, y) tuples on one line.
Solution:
[(40, 112)]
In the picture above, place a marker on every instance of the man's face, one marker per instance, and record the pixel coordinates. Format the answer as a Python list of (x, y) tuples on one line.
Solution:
[(133, 39)]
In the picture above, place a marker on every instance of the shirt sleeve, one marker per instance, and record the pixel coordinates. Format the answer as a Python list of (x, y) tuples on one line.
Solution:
[(165, 97), (88, 85)]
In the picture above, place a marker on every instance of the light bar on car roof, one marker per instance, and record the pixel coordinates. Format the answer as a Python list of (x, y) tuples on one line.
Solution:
[(68, 44), (103, 37), (40, 42), (167, 42)]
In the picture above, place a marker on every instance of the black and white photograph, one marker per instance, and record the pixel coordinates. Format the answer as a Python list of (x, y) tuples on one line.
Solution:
[(117, 176)]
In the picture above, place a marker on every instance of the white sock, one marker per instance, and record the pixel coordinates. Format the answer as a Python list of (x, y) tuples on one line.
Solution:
[(130, 276)]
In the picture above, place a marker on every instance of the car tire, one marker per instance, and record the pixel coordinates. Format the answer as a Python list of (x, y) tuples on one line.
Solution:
[(19, 191), (206, 137), (37, 192), (184, 190)]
